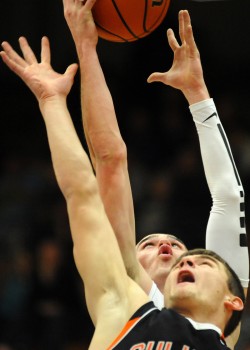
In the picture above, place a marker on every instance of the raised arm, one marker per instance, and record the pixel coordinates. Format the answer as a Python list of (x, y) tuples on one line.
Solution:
[(107, 148), (226, 232), (226, 227), (96, 252)]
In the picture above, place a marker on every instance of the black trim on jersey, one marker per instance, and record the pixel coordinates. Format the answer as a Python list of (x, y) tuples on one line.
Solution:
[(242, 236), (242, 222), (211, 116), (229, 153), (227, 147), (243, 240), (142, 309)]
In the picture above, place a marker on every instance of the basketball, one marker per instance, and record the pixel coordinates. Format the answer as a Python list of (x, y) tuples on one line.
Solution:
[(128, 20)]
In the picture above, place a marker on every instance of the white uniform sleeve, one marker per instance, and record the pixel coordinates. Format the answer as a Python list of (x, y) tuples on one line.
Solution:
[(156, 296), (226, 232)]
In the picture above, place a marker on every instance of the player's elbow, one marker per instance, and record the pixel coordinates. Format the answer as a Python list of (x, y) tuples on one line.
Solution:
[(113, 152), (228, 193), (78, 188), (235, 195)]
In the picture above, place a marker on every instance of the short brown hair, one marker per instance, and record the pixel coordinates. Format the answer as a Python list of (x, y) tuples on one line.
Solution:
[(233, 282)]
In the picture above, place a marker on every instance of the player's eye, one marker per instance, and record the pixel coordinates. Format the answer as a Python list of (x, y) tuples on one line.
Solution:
[(176, 245), (147, 244), (206, 263)]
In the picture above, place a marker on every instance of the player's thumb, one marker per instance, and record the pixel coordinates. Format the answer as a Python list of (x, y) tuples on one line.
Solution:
[(71, 70), (156, 77)]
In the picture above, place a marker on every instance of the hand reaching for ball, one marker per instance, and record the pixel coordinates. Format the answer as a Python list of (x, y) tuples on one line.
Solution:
[(78, 15)]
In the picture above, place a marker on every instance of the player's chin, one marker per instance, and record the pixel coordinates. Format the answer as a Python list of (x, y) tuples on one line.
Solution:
[(167, 258)]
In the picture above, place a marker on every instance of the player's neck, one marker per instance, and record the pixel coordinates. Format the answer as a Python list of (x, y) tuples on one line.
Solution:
[(160, 282), (202, 316)]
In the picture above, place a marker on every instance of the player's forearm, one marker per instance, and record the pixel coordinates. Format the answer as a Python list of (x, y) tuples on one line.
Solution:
[(66, 149), (226, 232), (218, 162), (110, 153), (92, 235), (99, 119)]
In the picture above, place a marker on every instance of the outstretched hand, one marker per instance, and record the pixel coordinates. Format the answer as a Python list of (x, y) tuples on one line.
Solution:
[(42, 80), (78, 15), (186, 72)]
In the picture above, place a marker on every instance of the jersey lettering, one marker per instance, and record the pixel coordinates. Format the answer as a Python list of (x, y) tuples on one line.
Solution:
[(140, 346), (161, 345)]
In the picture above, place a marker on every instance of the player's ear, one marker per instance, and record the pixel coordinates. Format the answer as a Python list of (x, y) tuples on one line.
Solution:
[(233, 303)]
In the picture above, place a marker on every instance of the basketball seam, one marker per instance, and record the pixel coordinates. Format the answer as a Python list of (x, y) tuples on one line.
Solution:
[(149, 29), (146, 30)]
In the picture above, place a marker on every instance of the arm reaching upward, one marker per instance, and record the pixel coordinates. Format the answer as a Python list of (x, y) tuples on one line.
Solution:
[(226, 232), (107, 148), (111, 296), (227, 220)]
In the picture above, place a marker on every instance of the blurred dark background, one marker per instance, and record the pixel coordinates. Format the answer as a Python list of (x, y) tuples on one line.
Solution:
[(41, 295)]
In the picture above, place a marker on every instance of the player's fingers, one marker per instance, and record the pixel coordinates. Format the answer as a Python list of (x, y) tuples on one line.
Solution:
[(65, 2), (12, 54), (189, 36), (156, 77), (68, 3), (28, 54), (79, 3), (71, 70), (45, 50), (173, 43), (15, 67), (88, 4), (181, 26), (192, 47)]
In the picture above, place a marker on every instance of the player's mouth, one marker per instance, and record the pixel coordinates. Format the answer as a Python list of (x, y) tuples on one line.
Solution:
[(165, 251), (185, 276)]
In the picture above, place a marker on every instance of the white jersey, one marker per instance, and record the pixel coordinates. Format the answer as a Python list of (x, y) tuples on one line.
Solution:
[(226, 231), (156, 296)]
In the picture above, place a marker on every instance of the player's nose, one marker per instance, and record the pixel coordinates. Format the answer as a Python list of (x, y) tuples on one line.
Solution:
[(164, 241), (187, 261)]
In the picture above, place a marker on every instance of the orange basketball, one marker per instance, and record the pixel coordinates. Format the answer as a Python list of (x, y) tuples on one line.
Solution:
[(128, 20)]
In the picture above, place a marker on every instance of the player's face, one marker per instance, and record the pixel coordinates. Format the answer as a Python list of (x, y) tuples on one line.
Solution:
[(196, 282), (158, 252)]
